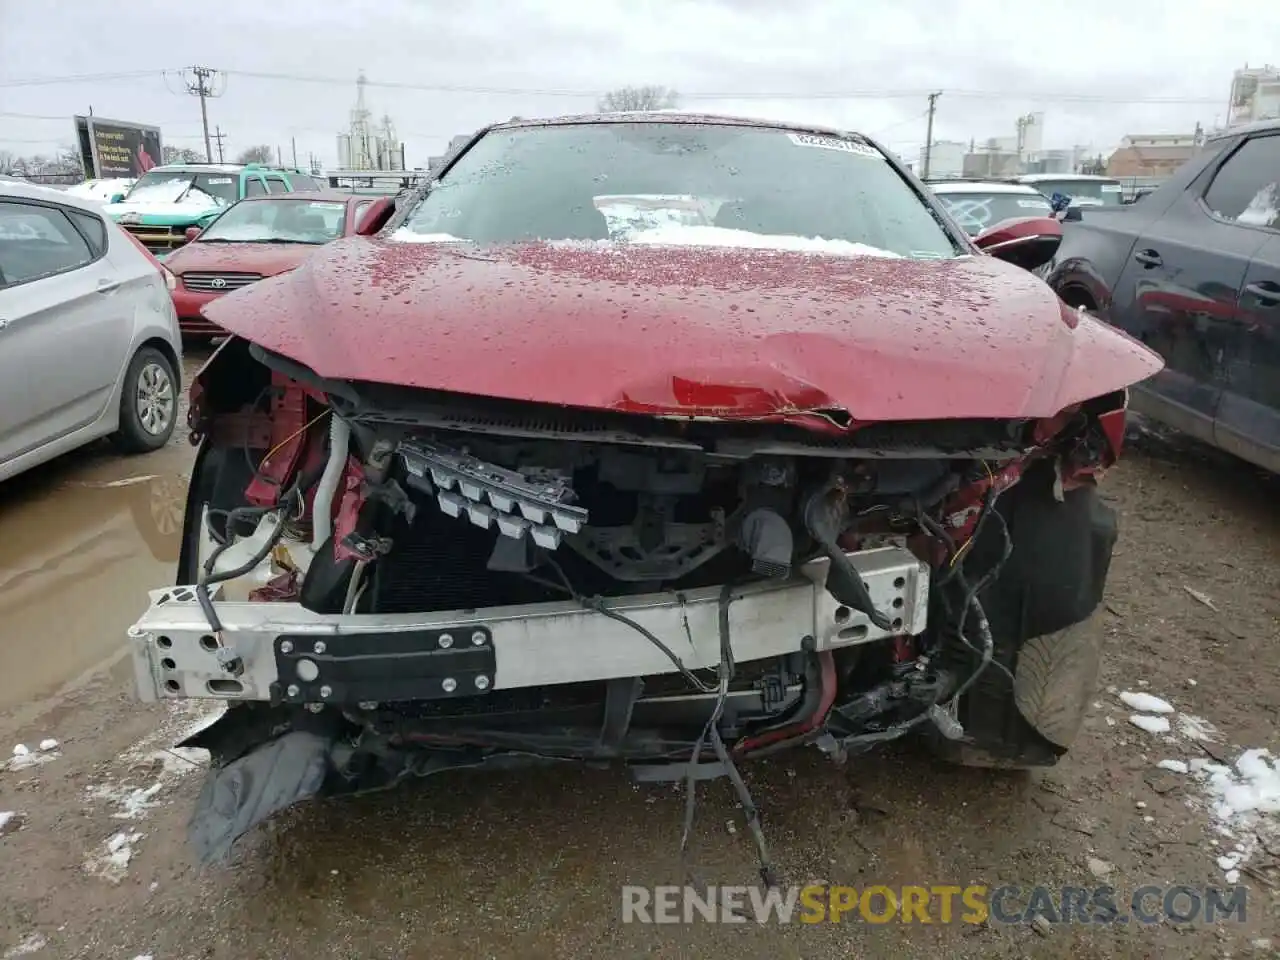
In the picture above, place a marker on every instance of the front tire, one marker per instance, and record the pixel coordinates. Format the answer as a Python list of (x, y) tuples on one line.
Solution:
[(1042, 613), (148, 402)]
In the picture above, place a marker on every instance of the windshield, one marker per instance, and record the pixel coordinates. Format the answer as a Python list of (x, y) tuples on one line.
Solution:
[(287, 220), (679, 183), (977, 211), (1107, 193), (173, 186)]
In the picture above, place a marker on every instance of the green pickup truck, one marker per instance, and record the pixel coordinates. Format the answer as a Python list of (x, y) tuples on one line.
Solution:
[(167, 201)]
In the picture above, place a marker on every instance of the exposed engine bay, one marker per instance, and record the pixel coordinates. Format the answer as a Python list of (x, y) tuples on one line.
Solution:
[(386, 584)]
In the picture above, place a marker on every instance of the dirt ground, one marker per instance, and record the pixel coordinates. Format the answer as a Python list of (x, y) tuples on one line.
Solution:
[(94, 864)]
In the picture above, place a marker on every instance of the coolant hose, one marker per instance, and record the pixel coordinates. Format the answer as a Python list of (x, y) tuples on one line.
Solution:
[(322, 505)]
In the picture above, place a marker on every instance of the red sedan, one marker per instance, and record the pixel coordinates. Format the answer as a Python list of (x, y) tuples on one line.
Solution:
[(255, 238)]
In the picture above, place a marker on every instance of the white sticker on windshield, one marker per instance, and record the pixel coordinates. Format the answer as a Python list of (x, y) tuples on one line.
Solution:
[(220, 180), (1033, 205), (1111, 188), (834, 143)]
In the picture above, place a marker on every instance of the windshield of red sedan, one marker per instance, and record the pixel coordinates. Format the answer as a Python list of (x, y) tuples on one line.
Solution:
[(287, 220), (679, 184)]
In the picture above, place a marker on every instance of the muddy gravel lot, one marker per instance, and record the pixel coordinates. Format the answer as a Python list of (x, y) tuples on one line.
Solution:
[(93, 861)]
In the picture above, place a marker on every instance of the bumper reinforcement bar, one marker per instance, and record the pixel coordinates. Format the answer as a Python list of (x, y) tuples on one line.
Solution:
[(290, 653)]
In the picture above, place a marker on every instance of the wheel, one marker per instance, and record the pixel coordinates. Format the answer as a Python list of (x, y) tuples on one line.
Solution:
[(148, 402), (1041, 610)]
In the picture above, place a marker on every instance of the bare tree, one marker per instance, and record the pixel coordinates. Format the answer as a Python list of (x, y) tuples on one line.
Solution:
[(182, 155), (259, 154), (625, 99)]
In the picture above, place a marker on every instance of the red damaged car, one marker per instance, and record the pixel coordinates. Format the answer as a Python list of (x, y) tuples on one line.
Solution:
[(255, 238), (670, 440)]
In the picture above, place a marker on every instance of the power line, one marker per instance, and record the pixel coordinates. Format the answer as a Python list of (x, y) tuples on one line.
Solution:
[(79, 78), (593, 94), (900, 123)]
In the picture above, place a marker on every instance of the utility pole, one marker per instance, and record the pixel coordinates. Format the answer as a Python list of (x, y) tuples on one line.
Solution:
[(201, 87), (218, 137), (293, 142), (928, 135)]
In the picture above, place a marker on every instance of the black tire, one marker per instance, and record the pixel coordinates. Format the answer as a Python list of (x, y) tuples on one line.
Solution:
[(150, 389), (1041, 609)]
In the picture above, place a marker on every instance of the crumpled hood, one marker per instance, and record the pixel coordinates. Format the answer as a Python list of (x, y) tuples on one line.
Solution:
[(709, 332)]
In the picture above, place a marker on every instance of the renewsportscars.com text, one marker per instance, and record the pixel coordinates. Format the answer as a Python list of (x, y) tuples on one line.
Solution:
[(937, 904)]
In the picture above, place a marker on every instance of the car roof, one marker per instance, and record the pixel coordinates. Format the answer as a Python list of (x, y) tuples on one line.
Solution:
[(675, 115), (982, 186), (34, 191), (198, 167), (1061, 177), (1257, 126), (332, 196)]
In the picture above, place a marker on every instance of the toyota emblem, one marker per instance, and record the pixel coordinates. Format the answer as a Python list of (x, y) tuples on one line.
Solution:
[(217, 283)]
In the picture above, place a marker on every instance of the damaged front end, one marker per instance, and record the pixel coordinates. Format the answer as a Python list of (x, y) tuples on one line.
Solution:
[(385, 583)]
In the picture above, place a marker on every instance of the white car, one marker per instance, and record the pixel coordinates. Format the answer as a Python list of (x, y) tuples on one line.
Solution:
[(89, 343), (979, 204)]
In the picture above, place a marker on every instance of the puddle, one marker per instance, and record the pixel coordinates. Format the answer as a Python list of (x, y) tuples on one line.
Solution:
[(85, 538)]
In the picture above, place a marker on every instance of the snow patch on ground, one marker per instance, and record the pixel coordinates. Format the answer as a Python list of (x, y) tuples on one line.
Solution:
[(5, 817), (1242, 799), (1196, 728), (1149, 723), (111, 863), (152, 764), (1145, 703), (31, 943), (132, 802), (24, 756)]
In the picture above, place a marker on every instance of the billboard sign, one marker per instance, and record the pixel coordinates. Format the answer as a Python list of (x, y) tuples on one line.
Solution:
[(115, 148)]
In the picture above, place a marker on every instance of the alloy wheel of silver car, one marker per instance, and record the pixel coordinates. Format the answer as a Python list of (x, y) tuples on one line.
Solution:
[(154, 399)]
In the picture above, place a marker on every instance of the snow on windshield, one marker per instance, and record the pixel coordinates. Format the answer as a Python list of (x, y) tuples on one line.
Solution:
[(681, 183)]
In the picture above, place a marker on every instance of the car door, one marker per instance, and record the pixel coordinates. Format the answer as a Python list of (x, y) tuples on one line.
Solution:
[(64, 330), (1248, 422), (1179, 290)]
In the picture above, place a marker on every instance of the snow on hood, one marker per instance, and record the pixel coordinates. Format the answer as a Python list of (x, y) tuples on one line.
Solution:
[(101, 190), (680, 235), (164, 198), (405, 235)]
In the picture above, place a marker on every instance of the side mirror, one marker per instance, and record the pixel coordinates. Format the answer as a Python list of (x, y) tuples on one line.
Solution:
[(376, 217), (117, 198), (1028, 242), (192, 233), (1073, 215)]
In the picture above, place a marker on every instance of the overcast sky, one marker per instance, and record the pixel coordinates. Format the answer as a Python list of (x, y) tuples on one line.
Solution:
[(864, 65)]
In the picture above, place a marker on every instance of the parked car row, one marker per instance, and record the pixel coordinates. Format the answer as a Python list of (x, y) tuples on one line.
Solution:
[(166, 201)]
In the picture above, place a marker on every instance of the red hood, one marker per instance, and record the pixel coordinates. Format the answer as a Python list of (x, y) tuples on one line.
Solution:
[(692, 331), (267, 259)]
